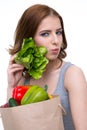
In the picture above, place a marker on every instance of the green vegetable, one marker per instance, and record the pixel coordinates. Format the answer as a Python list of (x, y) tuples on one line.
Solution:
[(32, 57), (12, 102), (34, 94)]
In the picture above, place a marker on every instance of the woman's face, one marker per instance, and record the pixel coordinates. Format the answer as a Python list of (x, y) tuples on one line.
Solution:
[(49, 35)]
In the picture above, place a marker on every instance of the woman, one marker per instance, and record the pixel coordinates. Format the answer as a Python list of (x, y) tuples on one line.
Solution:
[(45, 25)]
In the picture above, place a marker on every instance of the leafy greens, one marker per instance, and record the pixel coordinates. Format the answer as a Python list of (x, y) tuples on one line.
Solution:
[(32, 57)]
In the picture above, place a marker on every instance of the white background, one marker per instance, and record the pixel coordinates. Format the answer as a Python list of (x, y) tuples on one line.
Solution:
[(74, 13)]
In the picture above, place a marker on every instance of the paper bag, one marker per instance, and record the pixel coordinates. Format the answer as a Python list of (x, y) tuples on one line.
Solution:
[(45, 115)]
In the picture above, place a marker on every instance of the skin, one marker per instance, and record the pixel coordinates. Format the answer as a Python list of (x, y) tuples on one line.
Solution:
[(50, 36)]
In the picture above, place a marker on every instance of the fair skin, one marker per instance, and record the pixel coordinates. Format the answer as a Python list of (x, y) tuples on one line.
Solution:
[(50, 36)]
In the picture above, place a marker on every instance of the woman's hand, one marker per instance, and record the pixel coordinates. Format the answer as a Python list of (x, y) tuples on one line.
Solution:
[(14, 72)]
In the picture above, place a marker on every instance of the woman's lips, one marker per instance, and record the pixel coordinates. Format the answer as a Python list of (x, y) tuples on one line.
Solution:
[(55, 51)]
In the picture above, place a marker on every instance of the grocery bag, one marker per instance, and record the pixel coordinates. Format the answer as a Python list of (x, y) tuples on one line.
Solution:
[(45, 115)]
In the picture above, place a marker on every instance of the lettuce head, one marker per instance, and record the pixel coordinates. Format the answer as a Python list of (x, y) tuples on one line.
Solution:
[(32, 57)]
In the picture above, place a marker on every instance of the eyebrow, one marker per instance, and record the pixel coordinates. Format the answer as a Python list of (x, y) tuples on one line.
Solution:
[(59, 29)]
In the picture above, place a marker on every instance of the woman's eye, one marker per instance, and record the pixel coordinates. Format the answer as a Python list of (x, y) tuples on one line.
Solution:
[(44, 34), (59, 32)]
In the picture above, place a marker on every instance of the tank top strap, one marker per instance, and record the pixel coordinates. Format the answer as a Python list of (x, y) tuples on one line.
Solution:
[(60, 89), (63, 71)]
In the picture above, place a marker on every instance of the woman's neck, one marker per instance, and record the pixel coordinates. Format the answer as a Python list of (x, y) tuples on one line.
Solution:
[(53, 65)]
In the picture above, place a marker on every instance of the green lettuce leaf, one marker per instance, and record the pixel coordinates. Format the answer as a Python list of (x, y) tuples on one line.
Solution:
[(32, 57)]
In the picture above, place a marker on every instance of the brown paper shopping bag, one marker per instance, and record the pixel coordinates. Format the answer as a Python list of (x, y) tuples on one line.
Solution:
[(45, 115)]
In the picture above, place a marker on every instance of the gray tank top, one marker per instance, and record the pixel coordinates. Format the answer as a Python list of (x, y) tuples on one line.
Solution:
[(62, 92)]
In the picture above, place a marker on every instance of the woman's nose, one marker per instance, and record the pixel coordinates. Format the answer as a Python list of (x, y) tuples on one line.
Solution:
[(54, 39)]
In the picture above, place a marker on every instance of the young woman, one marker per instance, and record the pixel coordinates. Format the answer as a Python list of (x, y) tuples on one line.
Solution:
[(45, 25)]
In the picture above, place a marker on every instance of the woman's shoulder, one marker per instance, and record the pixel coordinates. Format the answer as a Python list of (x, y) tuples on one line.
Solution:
[(74, 76), (73, 70)]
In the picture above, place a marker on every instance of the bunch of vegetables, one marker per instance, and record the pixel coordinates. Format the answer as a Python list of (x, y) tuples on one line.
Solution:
[(32, 57), (22, 95)]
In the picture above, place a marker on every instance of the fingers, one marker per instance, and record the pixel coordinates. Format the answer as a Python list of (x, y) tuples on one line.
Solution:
[(17, 66), (14, 72), (11, 61), (14, 68)]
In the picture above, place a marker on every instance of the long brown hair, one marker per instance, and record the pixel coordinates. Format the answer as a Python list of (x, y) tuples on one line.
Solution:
[(29, 23)]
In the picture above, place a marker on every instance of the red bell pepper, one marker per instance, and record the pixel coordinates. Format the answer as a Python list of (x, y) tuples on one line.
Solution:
[(19, 91)]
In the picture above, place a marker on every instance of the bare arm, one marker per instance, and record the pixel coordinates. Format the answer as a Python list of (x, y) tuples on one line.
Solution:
[(77, 87)]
